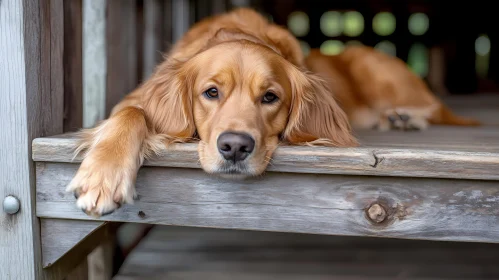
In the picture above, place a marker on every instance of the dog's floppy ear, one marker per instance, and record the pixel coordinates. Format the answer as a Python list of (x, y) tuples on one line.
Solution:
[(168, 103), (315, 117)]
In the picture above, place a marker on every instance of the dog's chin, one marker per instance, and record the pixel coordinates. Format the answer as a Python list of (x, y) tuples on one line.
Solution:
[(233, 171)]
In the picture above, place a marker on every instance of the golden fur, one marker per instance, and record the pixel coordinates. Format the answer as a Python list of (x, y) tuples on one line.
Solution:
[(244, 58), (371, 87)]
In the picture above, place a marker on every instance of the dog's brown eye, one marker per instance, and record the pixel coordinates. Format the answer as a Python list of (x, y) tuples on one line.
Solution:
[(211, 93), (269, 97)]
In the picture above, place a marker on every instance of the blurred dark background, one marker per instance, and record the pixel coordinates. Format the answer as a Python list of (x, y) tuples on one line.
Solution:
[(452, 45)]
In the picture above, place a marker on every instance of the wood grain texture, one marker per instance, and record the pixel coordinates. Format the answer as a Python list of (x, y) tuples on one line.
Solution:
[(192, 253), (73, 75), (31, 42), (153, 35), (435, 209), (121, 48), (94, 62), (58, 236), (78, 255), (79, 273), (181, 18), (464, 153)]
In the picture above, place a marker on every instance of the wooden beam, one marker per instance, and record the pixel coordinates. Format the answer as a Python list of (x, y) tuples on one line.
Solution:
[(181, 19), (432, 209), (94, 62), (78, 255), (31, 105), (73, 75), (153, 35), (121, 48), (426, 154), (60, 236), (79, 273)]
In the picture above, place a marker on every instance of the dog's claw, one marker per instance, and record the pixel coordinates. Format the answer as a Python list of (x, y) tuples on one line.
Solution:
[(108, 212)]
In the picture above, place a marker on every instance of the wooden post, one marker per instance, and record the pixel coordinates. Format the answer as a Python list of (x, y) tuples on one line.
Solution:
[(73, 95), (153, 36), (94, 61), (31, 105), (122, 76), (181, 18)]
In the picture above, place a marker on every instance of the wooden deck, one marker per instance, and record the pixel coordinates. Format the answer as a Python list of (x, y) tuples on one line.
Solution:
[(439, 184), (211, 254)]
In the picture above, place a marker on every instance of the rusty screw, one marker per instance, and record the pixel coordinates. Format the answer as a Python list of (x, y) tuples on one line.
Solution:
[(376, 213)]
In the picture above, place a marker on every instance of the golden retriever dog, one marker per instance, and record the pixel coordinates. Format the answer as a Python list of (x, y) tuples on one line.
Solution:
[(240, 86), (377, 90)]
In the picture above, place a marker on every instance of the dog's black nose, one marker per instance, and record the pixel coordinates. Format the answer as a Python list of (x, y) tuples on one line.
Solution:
[(235, 146)]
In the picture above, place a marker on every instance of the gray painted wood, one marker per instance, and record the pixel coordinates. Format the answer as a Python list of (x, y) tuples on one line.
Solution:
[(434, 209), (58, 236), (31, 46), (73, 76), (78, 255), (181, 18), (441, 152), (94, 61), (121, 49), (153, 35), (192, 253), (79, 273)]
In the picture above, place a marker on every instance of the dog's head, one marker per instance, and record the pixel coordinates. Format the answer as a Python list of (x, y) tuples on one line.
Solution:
[(242, 98)]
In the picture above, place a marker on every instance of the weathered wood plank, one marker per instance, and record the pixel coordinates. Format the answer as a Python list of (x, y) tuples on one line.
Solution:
[(121, 48), (31, 45), (435, 209), (153, 35), (58, 236), (100, 260), (380, 155), (94, 61), (64, 266), (181, 18), (183, 252), (79, 273), (73, 75)]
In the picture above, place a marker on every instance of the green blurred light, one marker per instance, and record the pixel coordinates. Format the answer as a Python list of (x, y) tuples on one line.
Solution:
[(331, 47), (418, 59), (299, 23), (354, 23), (386, 47), (305, 47), (418, 24), (331, 24), (384, 23)]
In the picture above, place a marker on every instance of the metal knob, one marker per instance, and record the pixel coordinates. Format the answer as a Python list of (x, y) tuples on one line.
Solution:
[(11, 205)]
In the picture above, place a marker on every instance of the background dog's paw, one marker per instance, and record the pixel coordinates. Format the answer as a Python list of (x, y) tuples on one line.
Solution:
[(100, 191), (398, 119)]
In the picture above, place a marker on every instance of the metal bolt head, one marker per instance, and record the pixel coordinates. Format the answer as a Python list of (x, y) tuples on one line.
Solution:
[(11, 205)]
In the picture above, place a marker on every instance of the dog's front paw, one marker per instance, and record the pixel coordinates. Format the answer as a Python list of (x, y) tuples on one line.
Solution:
[(100, 188)]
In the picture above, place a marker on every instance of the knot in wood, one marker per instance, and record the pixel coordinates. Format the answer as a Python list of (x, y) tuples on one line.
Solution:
[(376, 213)]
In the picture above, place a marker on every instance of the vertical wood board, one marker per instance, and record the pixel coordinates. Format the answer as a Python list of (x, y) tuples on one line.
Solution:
[(94, 61), (31, 98), (73, 65)]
